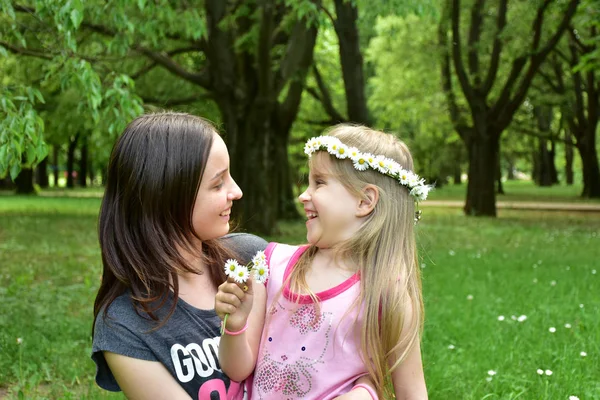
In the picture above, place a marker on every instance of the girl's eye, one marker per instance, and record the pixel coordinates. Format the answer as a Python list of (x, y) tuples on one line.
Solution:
[(319, 182), (219, 186)]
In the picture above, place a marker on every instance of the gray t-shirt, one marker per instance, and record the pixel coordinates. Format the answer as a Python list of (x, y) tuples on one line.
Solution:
[(187, 345)]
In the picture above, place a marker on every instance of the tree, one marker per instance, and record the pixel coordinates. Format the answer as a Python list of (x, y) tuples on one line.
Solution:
[(486, 118)]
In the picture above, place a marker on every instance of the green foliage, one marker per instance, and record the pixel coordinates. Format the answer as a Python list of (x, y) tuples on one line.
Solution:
[(21, 129)]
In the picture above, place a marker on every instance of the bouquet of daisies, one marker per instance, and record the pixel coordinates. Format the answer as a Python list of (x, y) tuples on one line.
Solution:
[(240, 273)]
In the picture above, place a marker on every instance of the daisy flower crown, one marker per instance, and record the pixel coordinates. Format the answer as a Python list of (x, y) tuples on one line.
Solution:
[(416, 185)]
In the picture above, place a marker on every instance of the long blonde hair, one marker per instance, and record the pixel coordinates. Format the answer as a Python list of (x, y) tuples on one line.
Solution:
[(383, 249)]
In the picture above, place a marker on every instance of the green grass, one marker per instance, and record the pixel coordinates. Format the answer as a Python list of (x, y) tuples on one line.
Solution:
[(50, 271), (519, 191)]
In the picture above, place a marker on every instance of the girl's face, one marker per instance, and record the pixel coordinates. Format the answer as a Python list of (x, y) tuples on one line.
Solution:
[(217, 191), (330, 208)]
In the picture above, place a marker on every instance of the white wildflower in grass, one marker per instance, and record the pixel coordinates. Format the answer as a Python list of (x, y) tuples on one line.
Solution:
[(540, 372), (423, 265), (522, 318), (470, 297), (500, 317), (553, 283), (513, 317), (548, 372), (583, 354), (568, 326), (261, 273), (535, 280), (491, 372), (594, 272), (241, 274), (552, 329), (489, 379), (19, 340), (581, 306), (451, 347), (230, 267), (451, 252), (573, 398)]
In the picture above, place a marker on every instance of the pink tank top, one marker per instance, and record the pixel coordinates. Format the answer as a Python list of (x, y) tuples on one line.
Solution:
[(303, 355)]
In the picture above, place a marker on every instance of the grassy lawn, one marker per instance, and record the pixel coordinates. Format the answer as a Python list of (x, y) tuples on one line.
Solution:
[(519, 191), (539, 265)]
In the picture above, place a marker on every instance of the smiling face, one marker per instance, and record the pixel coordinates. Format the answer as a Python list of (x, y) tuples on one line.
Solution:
[(330, 208), (217, 191)]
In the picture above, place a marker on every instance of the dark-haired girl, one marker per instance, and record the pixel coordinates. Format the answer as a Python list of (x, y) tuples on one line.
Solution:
[(163, 231)]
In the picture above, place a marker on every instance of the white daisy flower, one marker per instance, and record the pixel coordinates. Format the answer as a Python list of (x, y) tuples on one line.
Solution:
[(372, 161), (420, 193), (392, 166), (261, 273), (568, 326), (241, 274), (353, 153), (230, 267), (573, 398), (500, 317), (553, 283), (581, 306), (594, 272), (522, 318), (540, 372), (548, 372), (381, 164), (361, 163), (489, 379), (451, 252), (259, 258), (342, 151), (583, 354), (552, 329), (491, 372), (19, 340), (403, 177), (451, 347), (470, 297), (513, 317), (333, 146), (413, 179)]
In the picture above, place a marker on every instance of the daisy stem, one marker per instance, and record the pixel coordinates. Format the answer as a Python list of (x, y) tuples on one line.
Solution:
[(224, 323)]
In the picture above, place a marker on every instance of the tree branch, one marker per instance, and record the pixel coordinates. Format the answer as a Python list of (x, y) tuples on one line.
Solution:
[(26, 52), (325, 97), (474, 36), (497, 49), (457, 52), (534, 133), (175, 68)]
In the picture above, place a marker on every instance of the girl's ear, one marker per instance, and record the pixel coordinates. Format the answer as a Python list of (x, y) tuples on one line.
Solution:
[(367, 204)]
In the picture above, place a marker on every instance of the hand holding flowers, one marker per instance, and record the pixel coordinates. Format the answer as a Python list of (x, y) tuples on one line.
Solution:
[(233, 301)]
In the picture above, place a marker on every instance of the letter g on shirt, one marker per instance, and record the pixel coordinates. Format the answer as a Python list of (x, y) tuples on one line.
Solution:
[(195, 359)]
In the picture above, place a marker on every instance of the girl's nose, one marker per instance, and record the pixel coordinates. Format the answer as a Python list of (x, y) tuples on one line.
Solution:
[(304, 196)]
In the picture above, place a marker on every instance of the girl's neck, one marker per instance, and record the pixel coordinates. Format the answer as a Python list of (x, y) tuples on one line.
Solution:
[(198, 289), (328, 259)]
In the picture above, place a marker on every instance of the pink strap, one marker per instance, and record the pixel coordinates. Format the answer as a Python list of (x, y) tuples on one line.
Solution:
[(230, 333), (368, 389)]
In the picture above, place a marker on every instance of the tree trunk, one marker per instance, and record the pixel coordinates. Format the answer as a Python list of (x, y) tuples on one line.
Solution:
[(55, 168), (24, 182), (83, 163), (499, 187), (568, 158), (351, 60), (457, 174), (71, 161), (481, 193), (42, 173), (591, 171), (553, 170), (510, 174), (543, 115)]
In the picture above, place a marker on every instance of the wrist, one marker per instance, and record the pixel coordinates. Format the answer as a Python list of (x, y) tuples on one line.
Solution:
[(235, 331)]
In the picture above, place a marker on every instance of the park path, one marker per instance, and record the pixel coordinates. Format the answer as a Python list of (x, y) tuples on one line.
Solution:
[(521, 205)]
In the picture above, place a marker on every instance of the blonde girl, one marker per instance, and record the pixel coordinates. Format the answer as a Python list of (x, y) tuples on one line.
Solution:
[(344, 313)]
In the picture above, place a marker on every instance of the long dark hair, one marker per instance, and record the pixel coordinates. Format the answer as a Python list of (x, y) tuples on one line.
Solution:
[(145, 219)]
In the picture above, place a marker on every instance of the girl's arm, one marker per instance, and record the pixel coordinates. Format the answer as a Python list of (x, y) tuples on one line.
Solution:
[(408, 378), (141, 379), (238, 353), (361, 393)]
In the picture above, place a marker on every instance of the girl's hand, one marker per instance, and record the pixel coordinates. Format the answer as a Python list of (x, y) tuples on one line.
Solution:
[(233, 300)]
